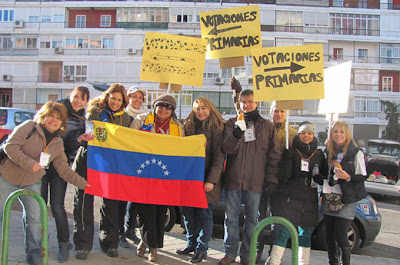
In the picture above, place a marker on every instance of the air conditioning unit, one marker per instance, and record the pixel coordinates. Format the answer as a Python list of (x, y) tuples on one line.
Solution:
[(19, 23), (132, 51), (69, 78), (219, 81), (7, 77), (58, 50)]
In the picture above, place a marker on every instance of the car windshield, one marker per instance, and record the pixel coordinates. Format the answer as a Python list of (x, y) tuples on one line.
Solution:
[(382, 149)]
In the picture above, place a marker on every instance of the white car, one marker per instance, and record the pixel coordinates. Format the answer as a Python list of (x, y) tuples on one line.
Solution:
[(383, 167)]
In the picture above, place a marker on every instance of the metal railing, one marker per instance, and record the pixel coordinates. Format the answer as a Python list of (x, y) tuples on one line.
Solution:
[(275, 220), (6, 223)]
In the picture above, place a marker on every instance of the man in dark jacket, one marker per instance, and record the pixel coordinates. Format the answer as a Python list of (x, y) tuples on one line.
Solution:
[(252, 166)]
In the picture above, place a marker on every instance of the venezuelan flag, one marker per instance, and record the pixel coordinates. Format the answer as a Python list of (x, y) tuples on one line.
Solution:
[(132, 165)]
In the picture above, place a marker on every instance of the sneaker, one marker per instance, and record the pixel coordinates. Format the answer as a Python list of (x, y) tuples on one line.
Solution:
[(123, 243), (81, 254), (226, 260)]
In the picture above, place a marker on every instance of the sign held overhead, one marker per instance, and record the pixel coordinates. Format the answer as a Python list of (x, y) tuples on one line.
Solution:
[(288, 73)]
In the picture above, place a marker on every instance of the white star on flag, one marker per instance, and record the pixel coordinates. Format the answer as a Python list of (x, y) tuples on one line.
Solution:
[(139, 171), (147, 162), (153, 161), (159, 163), (142, 165), (164, 167), (166, 173)]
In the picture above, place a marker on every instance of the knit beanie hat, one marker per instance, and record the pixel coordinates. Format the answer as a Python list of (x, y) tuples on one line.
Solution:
[(168, 99), (306, 126)]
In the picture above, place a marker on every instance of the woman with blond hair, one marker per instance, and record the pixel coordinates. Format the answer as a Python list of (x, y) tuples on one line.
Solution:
[(345, 183), (30, 148), (204, 119), (109, 107)]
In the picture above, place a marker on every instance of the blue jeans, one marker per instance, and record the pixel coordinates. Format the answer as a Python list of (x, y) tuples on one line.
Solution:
[(233, 201), (199, 227), (283, 235), (30, 215)]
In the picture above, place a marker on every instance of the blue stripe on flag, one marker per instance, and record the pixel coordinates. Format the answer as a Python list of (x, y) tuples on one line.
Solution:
[(145, 165)]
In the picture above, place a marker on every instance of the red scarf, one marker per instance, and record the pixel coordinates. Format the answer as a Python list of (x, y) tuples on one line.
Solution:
[(163, 125)]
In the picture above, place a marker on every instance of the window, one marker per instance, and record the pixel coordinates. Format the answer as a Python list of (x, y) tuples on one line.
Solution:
[(338, 3), (77, 73), (6, 42), (289, 21), (46, 18), (387, 83), (33, 18), (366, 107), (226, 73), (182, 18), (240, 72), (45, 44), (80, 21), (354, 24), (362, 55), (365, 79), (83, 43), (25, 43), (390, 53), (56, 43), (70, 44), (338, 53), (185, 98), (108, 43), (142, 14), (58, 18), (105, 21), (95, 43), (6, 15)]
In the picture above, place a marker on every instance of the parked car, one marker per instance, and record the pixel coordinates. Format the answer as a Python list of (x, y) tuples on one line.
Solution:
[(363, 230), (11, 117), (383, 167)]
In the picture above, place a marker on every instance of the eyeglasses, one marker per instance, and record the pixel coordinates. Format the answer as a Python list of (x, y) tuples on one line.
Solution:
[(165, 106)]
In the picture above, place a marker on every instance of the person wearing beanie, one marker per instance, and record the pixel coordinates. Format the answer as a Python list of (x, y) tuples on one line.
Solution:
[(297, 197), (279, 122), (162, 119), (127, 228), (253, 153)]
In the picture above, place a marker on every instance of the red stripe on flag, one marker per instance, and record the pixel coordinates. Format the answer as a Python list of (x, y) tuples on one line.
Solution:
[(145, 190)]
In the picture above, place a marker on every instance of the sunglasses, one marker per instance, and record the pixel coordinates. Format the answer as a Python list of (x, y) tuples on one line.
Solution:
[(165, 106)]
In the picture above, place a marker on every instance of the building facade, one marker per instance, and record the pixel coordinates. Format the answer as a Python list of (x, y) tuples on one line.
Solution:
[(49, 47)]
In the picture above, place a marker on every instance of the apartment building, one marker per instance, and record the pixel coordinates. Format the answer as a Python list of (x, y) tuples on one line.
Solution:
[(49, 47)]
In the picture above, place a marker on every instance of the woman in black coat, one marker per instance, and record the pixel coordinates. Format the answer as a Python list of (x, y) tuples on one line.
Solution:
[(298, 196)]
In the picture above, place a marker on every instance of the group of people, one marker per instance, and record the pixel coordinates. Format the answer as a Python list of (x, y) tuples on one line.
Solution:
[(260, 169)]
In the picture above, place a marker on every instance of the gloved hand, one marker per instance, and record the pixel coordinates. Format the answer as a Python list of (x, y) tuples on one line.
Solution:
[(286, 154), (241, 124), (237, 132), (332, 181), (271, 187)]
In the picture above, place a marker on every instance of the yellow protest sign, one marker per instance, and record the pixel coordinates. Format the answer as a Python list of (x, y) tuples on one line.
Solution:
[(288, 73), (173, 59), (231, 32)]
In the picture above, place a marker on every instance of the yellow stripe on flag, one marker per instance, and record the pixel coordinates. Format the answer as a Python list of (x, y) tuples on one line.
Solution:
[(113, 136)]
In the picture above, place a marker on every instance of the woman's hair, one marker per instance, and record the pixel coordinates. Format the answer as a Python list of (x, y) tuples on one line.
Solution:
[(48, 109), (331, 144), (214, 121), (101, 101), (84, 91)]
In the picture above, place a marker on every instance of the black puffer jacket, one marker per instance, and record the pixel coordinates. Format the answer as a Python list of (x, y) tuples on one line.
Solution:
[(353, 190), (298, 201), (75, 127)]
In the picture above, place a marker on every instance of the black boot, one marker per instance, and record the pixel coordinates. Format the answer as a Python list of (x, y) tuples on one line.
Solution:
[(63, 251), (333, 253), (346, 252)]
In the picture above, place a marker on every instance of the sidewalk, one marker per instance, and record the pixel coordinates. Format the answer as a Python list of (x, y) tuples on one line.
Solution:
[(167, 255)]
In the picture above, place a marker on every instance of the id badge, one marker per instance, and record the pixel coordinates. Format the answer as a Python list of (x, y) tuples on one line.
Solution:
[(249, 134), (304, 165), (89, 127), (44, 160)]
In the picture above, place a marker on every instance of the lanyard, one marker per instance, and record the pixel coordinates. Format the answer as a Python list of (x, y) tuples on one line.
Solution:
[(82, 119), (308, 159), (44, 142)]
